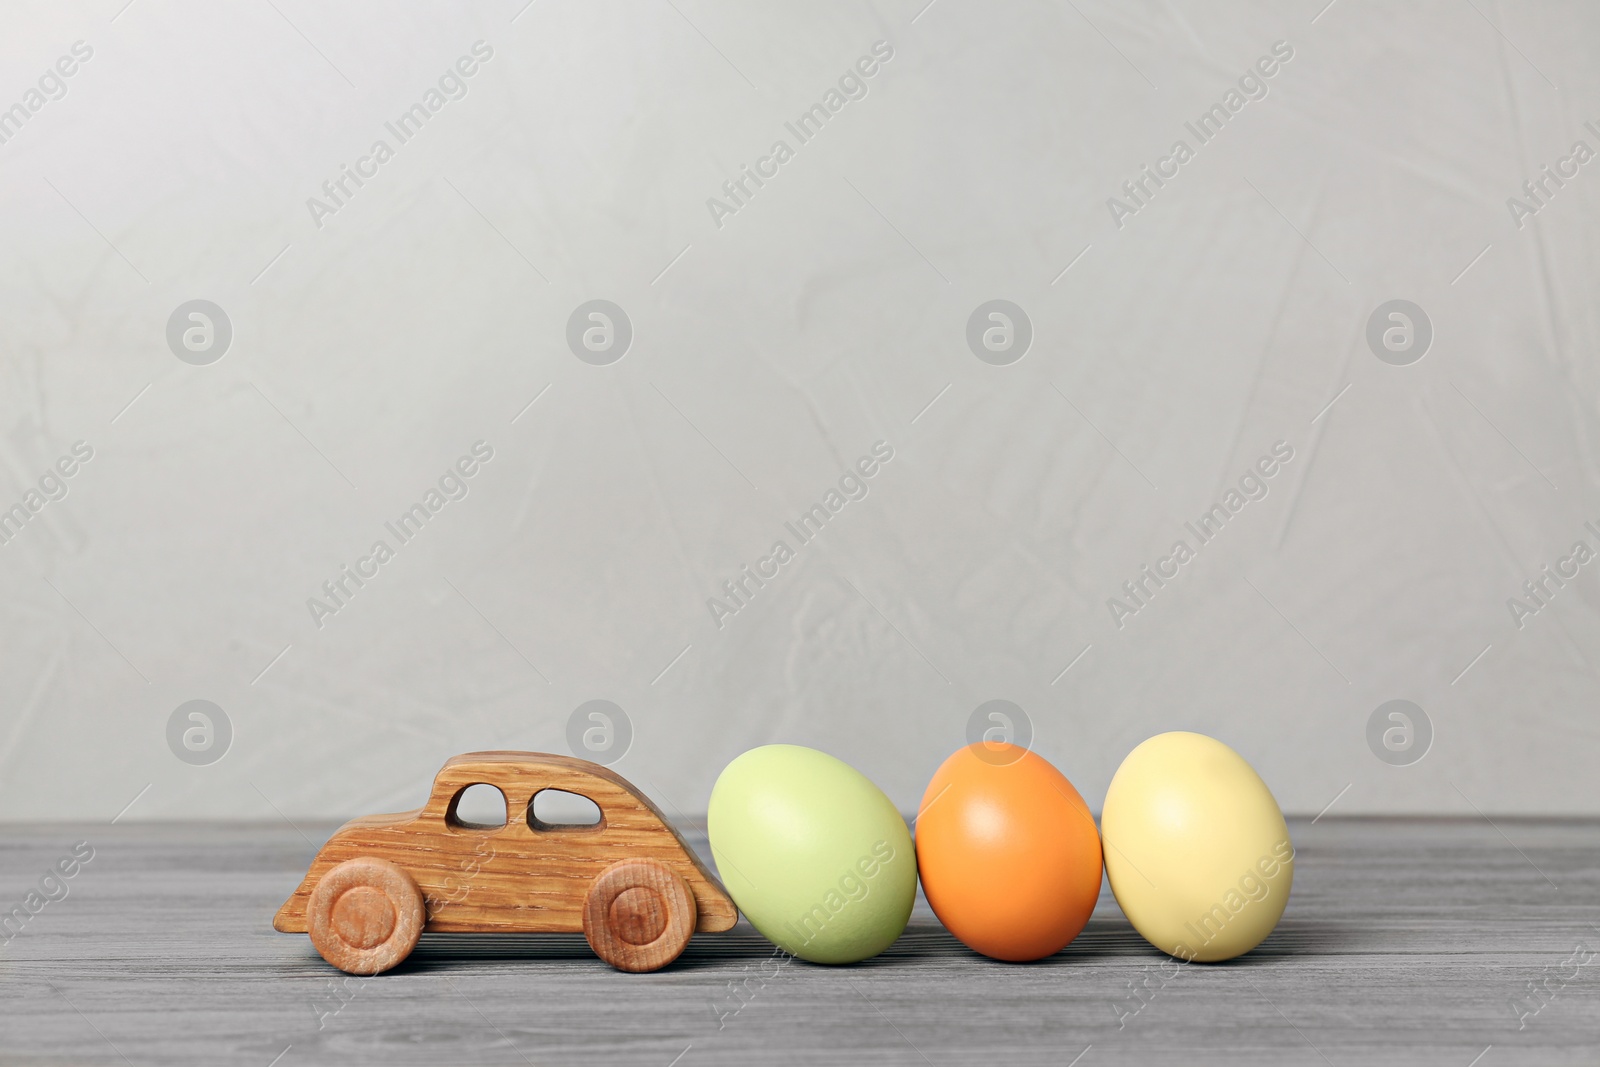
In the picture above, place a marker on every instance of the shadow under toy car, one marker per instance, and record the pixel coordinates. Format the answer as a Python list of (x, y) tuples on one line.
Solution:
[(629, 882)]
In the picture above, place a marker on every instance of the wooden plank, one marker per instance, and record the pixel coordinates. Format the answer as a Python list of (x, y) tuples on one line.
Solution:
[(1405, 942)]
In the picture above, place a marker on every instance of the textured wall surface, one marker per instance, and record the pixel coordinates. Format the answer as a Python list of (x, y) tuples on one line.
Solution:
[(1358, 154)]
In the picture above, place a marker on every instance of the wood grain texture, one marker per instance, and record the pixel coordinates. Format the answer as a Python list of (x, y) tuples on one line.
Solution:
[(524, 876), (639, 915), (365, 915), (1405, 942)]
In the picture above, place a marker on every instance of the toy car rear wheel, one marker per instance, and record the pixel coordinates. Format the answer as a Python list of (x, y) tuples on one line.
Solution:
[(365, 915), (638, 915)]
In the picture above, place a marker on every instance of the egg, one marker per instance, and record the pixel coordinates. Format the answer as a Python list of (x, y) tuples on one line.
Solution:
[(815, 855), (1008, 852), (1197, 851)]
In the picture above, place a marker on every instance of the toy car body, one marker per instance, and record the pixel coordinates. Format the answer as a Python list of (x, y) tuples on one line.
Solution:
[(630, 883)]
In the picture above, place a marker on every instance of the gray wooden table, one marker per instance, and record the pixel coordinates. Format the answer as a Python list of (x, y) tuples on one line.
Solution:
[(1405, 941)]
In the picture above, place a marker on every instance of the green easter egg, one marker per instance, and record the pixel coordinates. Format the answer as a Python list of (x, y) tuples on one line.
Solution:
[(814, 854)]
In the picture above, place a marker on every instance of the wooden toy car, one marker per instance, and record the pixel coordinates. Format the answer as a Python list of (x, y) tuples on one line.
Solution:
[(629, 882)]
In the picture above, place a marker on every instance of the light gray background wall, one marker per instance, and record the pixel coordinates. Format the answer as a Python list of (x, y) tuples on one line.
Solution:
[(769, 353)]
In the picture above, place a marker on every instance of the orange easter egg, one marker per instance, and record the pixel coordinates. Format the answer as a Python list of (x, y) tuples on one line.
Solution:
[(1008, 852)]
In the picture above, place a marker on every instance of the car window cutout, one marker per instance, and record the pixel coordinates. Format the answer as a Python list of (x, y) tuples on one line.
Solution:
[(479, 806), (557, 809)]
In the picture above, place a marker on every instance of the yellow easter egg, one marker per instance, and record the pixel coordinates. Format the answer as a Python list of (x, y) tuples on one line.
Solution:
[(1196, 848)]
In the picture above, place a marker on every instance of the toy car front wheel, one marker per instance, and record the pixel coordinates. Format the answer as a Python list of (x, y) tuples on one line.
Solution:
[(638, 915), (365, 915)]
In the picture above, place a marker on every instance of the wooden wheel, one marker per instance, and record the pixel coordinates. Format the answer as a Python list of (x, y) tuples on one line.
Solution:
[(639, 914), (365, 915)]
